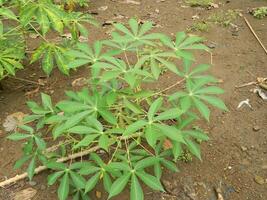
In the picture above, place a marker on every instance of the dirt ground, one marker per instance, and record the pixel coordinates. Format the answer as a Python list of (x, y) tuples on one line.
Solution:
[(235, 156)]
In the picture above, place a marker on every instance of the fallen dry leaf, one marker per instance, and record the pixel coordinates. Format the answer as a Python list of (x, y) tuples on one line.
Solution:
[(167, 144), (79, 82), (13, 121), (132, 2), (98, 194), (26, 194), (32, 92)]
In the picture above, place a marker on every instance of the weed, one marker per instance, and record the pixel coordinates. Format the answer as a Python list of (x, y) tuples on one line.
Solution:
[(260, 12), (200, 3), (199, 26), (224, 18)]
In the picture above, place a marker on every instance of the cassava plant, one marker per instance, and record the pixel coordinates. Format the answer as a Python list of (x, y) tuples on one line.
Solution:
[(21, 18), (125, 133)]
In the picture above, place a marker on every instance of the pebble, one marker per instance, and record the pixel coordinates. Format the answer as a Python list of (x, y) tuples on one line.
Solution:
[(243, 148), (211, 45), (32, 183), (264, 166), (98, 194), (43, 187), (256, 128), (259, 179)]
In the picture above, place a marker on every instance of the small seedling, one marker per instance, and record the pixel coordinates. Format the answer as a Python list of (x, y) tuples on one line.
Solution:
[(224, 18), (199, 26), (199, 3), (260, 12)]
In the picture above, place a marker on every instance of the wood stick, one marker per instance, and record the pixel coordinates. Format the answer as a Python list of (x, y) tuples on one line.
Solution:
[(42, 168), (63, 159), (256, 36)]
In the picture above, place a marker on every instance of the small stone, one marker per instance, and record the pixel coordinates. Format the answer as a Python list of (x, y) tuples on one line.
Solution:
[(264, 166), (259, 180), (256, 128), (235, 33), (98, 194), (243, 148), (32, 183), (43, 187), (211, 45)]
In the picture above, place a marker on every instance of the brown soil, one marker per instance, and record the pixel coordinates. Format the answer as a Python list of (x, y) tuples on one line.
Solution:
[(236, 152)]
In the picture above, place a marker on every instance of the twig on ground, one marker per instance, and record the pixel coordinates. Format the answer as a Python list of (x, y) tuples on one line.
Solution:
[(42, 168), (63, 159), (256, 36)]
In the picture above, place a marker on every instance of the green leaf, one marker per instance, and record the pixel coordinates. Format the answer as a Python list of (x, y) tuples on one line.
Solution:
[(63, 190), (89, 170), (150, 181), (18, 136), (202, 108), (40, 142), (72, 106), (176, 149), (78, 180), (84, 130), (8, 13), (210, 90), (91, 183), (158, 170), (31, 168), (104, 142), (151, 135), (46, 100), (107, 182), (214, 101), (132, 128), (27, 14), (172, 113), (132, 106), (55, 165), (47, 62), (197, 135), (86, 141), (21, 161), (108, 116), (119, 185), (154, 108), (52, 178), (133, 25), (144, 163), (75, 119), (193, 148), (61, 62), (170, 132), (136, 189), (169, 165)]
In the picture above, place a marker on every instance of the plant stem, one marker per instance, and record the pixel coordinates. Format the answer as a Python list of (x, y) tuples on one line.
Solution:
[(39, 33), (25, 80)]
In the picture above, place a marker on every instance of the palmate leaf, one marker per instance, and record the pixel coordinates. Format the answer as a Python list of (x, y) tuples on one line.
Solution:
[(51, 54), (46, 14), (75, 22), (138, 33)]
